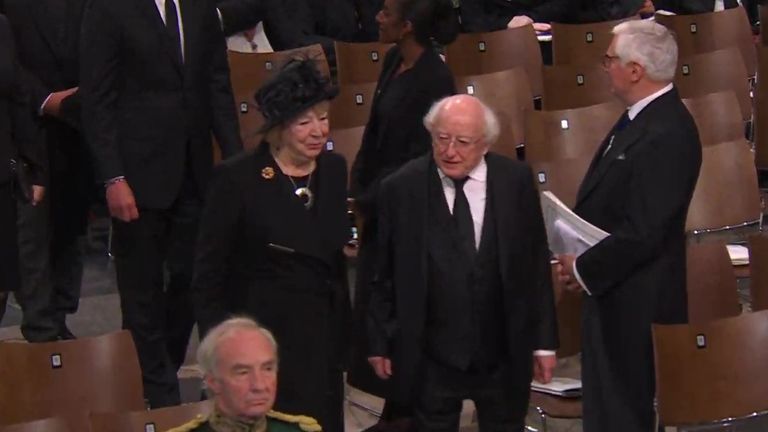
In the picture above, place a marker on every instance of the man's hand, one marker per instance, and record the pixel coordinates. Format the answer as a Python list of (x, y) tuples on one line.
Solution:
[(542, 27), (565, 273), (38, 193), (382, 366), (519, 21), (122, 204), (52, 106), (543, 367)]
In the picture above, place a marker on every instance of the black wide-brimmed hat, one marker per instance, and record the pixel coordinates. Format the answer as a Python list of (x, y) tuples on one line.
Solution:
[(296, 88)]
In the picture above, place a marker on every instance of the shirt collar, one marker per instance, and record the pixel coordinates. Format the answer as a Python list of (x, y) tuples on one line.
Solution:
[(478, 173), (635, 109)]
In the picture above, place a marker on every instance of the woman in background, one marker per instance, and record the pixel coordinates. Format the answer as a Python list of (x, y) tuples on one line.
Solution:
[(413, 77)]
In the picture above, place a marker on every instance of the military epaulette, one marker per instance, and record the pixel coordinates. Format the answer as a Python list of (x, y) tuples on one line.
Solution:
[(190, 425), (305, 423)]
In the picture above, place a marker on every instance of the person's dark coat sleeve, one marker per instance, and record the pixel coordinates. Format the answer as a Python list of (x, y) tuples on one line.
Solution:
[(241, 15)]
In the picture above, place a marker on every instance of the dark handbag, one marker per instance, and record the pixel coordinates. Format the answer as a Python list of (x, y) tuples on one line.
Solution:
[(22, 182)]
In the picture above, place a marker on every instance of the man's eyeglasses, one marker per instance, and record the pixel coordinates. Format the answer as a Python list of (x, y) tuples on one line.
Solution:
[(608, 60), (443, 141)]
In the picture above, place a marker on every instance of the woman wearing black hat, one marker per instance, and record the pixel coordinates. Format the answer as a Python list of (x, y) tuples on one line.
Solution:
[(271, 239)]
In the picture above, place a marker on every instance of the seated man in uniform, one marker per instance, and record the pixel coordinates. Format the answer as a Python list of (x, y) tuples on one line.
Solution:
[(239, 361)]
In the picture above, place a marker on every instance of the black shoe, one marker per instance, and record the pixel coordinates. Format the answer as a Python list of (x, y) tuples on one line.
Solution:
[(65, 333)]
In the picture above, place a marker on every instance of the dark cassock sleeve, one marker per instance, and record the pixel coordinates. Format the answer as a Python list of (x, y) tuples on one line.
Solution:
[(241, 15)]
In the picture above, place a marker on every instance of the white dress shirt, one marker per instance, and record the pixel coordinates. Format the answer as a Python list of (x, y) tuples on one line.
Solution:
[(475, 189), (161, 8), (634, 110)]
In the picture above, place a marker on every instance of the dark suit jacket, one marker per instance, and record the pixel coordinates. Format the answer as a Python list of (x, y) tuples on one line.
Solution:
[(398, 306), (686, 7), (491, 15), (147, 116), (240, 15), (19, 134), (605, 10), (396, 134), (639, 194)]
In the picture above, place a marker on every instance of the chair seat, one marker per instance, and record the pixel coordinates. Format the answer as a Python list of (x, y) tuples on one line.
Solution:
[(556, 406)]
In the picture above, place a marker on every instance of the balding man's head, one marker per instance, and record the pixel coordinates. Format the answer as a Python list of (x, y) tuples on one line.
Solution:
[(462, 129)]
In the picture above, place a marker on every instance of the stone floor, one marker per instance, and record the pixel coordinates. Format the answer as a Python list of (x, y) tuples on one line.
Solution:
[(99, 313)]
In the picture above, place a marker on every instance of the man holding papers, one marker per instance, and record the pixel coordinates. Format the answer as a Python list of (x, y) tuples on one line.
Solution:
[(637, 188)]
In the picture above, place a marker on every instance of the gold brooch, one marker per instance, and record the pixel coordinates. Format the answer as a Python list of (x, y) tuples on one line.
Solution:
[(268, 173)]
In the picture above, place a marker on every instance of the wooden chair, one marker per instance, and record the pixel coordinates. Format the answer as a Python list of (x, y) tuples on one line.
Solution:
[(712, 72), (570, 133), (581, 43), (482, 53), (562, 177), (68, 378), (53, 424), (712, 31), (346, 142), (574, 86), (711, 283), (352, 106), (358, 63), (717, 117), (711, 372), (507, 93), (248, 71), (761, 105), (726, 197), (758, 271), (158, 420)]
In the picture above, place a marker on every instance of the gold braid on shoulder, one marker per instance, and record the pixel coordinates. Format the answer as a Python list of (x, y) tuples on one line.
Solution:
[(305, 423), (190, 425)]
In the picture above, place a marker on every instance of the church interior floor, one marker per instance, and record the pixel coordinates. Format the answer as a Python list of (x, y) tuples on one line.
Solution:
[(99, 313)]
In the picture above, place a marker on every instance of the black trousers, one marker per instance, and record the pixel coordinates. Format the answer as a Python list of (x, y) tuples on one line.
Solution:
[(153, 258), (9, 254), (439, 397)]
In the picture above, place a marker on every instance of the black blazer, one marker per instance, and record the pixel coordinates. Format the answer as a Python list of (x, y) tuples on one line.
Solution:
[(19, 134), (606, 10), (686, 7), (398, 305), (639, 193), (251, 205), (146, 115), (395, 133), (491, 15)]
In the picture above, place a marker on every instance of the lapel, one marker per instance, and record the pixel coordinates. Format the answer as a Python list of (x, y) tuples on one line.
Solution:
[(499, 187), (149, 10), (48, 25), (418, 194), (443, 241)]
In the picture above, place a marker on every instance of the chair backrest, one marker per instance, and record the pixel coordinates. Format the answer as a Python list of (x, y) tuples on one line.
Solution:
[(508, 94), (248, 71), (482, 53), (53, 424), (758, 271), (717, 117), (581, 43), (570, 133), (761, 106), (68, 378), (347, 143), (573, 86), (726, 194), (352, 106), (711, 371), (158, 420), (358, 62), (711, 282), (711, 31), (701, 74), (562, 177)]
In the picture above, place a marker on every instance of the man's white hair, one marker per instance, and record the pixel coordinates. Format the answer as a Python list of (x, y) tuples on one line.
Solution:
[(648, 44), (206, 352), (491, 128)]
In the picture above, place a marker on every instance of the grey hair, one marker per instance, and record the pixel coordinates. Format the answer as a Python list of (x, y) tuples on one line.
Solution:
[(650, 45), (206, 352), (490, 131)]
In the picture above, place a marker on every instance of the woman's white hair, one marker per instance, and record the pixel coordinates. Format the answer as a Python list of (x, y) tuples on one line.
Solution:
[(206, 352), (648, 44), (491, 128)]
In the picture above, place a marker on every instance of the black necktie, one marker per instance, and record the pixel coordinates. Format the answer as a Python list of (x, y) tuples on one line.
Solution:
[(620, 126), (463, 216), (172, 25)]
